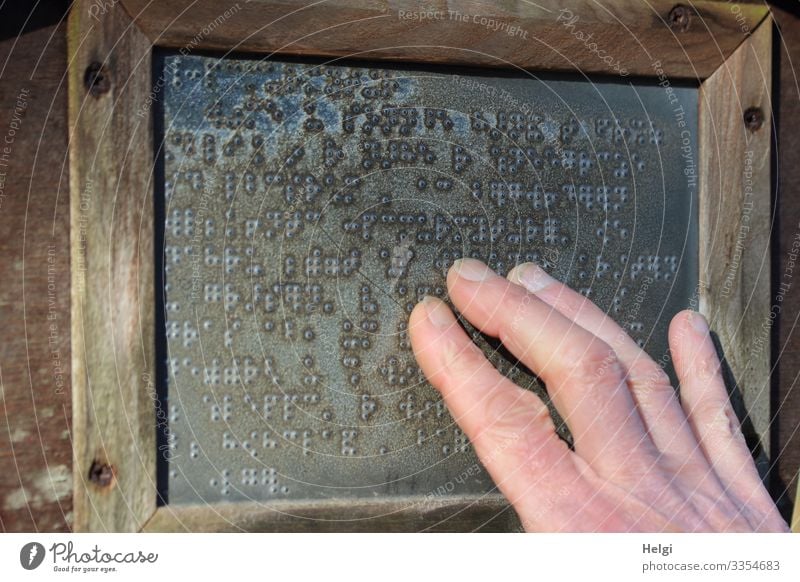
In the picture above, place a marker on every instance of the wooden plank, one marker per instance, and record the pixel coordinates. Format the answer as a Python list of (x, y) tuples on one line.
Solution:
[(489, 513), (35, 448), (796, 516), (113, 291), (112, 273), (25, 371), (734, 221), (588, 36)]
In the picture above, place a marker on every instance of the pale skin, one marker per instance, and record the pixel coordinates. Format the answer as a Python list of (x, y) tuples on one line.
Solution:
[(644, 460)]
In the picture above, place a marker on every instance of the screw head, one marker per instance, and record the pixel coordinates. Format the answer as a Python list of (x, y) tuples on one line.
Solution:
[(101, 474), (680, 17), (96, 79), (754, 118)]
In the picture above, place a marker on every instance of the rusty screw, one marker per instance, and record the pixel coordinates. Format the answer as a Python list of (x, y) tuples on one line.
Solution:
[(680, 17), (96, 79), (753, 118), (101, 474)]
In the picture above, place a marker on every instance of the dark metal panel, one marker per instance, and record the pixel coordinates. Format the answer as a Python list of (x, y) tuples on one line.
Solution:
[(308, 207)]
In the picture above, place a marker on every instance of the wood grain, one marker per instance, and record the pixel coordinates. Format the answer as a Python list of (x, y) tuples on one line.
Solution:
[(112, 322), (490, 513), (631, 32), (34, 437), (112, 274), (796, 516), (734, 221), (35, 451)]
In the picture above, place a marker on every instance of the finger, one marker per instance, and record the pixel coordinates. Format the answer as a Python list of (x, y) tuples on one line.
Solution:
[(708, 407), (510, 428), (651, 387), (583, 375)]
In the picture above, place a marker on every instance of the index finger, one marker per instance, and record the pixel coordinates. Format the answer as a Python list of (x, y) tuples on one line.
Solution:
[(510, 427)]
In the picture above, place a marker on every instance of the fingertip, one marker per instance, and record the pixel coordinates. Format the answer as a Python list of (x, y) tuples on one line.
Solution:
[(698, 322), (692, 348), (452, 275), (678, 335), (687, 325), (417, 317), (429, 319), (468, 270), (530, 277), (478, 292), (514, 275), (420, 334), (437, 312), (679, 321)]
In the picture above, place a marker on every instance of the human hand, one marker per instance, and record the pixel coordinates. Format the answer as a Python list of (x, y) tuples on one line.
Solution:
[(643, 460)]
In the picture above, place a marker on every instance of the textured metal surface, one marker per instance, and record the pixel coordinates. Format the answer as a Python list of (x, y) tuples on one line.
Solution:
[(308, 208)]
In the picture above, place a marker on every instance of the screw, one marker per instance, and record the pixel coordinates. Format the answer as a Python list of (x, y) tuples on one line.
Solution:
[(101, 474), (680, 17), (96, 79), (754, 118)]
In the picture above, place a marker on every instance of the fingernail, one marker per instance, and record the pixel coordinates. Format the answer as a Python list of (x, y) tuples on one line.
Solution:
[(532, 277), (472, 270), (698, 323), (437, 312)]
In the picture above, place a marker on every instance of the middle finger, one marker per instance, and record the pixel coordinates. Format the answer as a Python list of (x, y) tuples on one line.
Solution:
[(649, 383), (582, 373)]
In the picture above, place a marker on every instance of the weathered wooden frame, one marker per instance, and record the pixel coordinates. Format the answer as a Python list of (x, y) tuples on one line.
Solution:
[(725, 48)]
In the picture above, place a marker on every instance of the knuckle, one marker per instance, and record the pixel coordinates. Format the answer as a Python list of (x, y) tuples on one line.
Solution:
[(458, 364), (717, 415), (734, 427), (596, 378), (640, 469), (541, 421), (460, 359), (653, 382), (511, 413), (570, 305), (658, 378), (540, 449), (706, 368), (596, 364), (692, 467)]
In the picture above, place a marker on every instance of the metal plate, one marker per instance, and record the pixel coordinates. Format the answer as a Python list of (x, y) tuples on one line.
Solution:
[(308, 207)]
